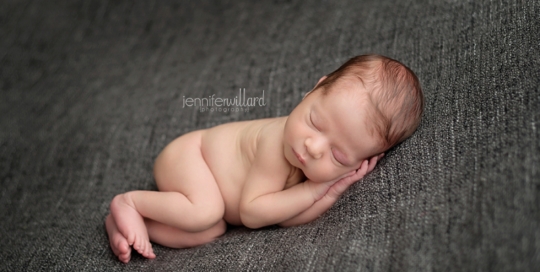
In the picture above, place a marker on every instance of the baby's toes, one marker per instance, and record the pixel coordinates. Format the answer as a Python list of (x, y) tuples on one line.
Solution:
[(124, 257), (145, 251), (138, 245), (131, 239), (144, 248), (150, 252), (122, 247)]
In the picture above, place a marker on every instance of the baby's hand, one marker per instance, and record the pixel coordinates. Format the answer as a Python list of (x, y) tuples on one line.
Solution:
[(335, 188), (339, 187)]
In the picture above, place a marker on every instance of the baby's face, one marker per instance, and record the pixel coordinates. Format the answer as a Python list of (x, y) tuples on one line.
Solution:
[(326, 136)]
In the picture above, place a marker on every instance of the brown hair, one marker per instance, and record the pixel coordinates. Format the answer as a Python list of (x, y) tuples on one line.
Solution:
[(394, 93)]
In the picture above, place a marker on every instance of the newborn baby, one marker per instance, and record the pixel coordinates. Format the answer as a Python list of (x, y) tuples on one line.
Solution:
[(286, 170)]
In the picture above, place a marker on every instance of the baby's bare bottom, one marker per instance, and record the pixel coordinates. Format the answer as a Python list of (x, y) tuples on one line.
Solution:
[(187, 211)]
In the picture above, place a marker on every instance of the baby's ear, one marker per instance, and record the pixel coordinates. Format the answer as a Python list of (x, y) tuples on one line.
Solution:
[(320, 80)]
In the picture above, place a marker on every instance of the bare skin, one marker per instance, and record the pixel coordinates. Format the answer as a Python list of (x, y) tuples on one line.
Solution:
[(287, 171), (118, 242)]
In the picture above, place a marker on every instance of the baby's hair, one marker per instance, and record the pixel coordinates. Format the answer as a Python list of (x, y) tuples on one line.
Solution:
[(393, 91)]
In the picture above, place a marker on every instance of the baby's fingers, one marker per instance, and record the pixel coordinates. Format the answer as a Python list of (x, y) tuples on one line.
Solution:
[(366, 167), (341, 186), (373, 162), (362, 171)]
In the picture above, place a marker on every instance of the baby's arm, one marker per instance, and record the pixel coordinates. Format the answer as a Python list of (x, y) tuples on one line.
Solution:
[(264, 201), (332, 195)]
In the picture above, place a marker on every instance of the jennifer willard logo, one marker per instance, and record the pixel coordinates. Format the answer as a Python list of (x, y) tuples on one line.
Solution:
[(219, 104)]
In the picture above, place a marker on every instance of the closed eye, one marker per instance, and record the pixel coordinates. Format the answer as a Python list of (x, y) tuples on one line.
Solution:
[(312, 123), (338, 156), (340, 163)]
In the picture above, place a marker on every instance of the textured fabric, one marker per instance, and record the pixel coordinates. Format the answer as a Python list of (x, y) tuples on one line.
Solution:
[(92, 91)]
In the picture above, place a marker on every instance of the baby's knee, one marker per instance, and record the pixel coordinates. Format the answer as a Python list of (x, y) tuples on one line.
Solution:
[(211, 234), (208, 216), (200, 238)]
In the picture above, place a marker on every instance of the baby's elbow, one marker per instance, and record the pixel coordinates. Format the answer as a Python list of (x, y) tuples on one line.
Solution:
[(249, 217), (252, 224)]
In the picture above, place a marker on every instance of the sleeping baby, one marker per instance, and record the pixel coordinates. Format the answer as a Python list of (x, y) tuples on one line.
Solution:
[(286, 170)]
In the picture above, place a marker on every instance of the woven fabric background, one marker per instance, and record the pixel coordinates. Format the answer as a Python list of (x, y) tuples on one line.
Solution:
[(92, 91)]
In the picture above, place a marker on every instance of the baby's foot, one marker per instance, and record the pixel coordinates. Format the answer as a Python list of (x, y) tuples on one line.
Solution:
[(118, 242), (131, 224)]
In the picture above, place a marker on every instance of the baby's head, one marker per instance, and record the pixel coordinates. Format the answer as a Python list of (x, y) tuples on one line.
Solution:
[(359, 111), (388, 90)]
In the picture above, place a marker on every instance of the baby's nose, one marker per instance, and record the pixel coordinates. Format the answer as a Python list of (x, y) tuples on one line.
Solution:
[(315, 147)]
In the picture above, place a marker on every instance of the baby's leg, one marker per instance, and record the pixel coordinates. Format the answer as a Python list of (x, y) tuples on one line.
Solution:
[(187, 185), (189, 200), (176, 238), (162, 234)]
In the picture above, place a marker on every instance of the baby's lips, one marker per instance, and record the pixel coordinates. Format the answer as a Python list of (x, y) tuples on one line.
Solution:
[(300, 159)]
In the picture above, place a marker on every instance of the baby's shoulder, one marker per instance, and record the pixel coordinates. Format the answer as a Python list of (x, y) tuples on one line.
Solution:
[(269, 135), (268, 156)]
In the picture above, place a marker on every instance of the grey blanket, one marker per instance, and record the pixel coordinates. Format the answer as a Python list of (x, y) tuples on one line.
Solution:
[(92, 91)]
